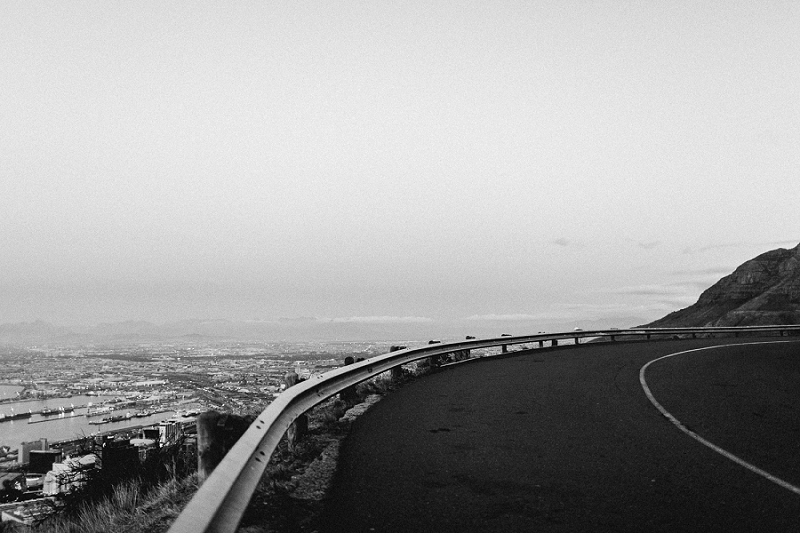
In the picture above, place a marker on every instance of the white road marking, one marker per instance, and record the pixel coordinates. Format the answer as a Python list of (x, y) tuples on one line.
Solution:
[(701, 440)]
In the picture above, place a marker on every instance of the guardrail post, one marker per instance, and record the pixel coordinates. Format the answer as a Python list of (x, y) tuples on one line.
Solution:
[(577, 341), (210, 445), (613, 338), (349, 394), (216, 434), (396, 372), (465, 354), (554, 342), (504, 348), (434, 360), (299, 427)]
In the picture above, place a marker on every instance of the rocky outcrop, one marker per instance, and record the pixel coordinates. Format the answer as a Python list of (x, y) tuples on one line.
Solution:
[(762, 291)]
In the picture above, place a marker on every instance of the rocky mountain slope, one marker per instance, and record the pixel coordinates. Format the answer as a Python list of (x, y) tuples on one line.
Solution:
[(762, 291)]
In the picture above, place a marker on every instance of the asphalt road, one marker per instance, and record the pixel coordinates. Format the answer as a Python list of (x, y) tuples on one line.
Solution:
[(565, 439)]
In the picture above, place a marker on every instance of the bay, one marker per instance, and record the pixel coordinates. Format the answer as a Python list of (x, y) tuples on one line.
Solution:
[(65, 426), (53, 403)]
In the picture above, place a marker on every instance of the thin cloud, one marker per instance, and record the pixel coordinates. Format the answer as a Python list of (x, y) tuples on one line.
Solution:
[(589, 310), (645, 245), (713, 271), (561, 312), (640, 290), (508, 317), (561, 241), (699, 280), (593, 315), (708, 248), (382, 319), (696, 287), (676, 302), (770, 244)]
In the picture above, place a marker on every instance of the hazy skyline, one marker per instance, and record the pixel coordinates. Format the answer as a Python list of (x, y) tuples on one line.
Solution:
[(530, 162)]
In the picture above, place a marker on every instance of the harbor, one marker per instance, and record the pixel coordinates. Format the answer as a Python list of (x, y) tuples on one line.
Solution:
[(66, 419), (46, 412)]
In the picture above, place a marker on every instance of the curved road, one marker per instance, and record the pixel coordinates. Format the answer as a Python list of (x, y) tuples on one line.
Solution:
[(565, 439)]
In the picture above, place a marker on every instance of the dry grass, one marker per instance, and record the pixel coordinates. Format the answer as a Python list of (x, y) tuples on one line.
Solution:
[(127, 510)]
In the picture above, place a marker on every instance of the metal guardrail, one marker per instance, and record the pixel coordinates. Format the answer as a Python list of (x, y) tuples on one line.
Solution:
[(221, 501)]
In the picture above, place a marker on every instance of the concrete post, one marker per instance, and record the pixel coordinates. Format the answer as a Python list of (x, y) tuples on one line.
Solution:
[(465, 354), (397, 372), (299, 427), (505, 346), (348, 395), (210, 444), (434, 360)]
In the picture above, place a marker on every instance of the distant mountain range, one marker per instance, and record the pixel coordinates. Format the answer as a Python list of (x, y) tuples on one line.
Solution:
[(762, 291), (133, 332), (302, 329)]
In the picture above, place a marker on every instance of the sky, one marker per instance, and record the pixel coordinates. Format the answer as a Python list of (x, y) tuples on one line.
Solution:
[(527, 163)]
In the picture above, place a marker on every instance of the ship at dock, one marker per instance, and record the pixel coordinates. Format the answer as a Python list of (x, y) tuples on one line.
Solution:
[(99, 411), (14, 416), (109, 419), (47, 411)]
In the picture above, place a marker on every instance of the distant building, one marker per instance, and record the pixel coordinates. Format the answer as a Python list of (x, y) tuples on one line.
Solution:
[(69, 475), (41, 461), (150, 383), (146, 442), (24, 455), (169, 431)]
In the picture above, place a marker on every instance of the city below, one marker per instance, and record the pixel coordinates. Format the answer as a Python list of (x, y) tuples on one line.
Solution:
[(67, 393), (55, 399)]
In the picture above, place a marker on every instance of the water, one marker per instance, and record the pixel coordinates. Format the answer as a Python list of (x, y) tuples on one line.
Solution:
[(64, 426), (9, 391), (52, 403)]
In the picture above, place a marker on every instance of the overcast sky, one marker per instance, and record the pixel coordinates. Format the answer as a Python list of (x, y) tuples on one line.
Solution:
[(440, 160)]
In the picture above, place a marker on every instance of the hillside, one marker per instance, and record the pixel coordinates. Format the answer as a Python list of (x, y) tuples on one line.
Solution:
[(762, 291)]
